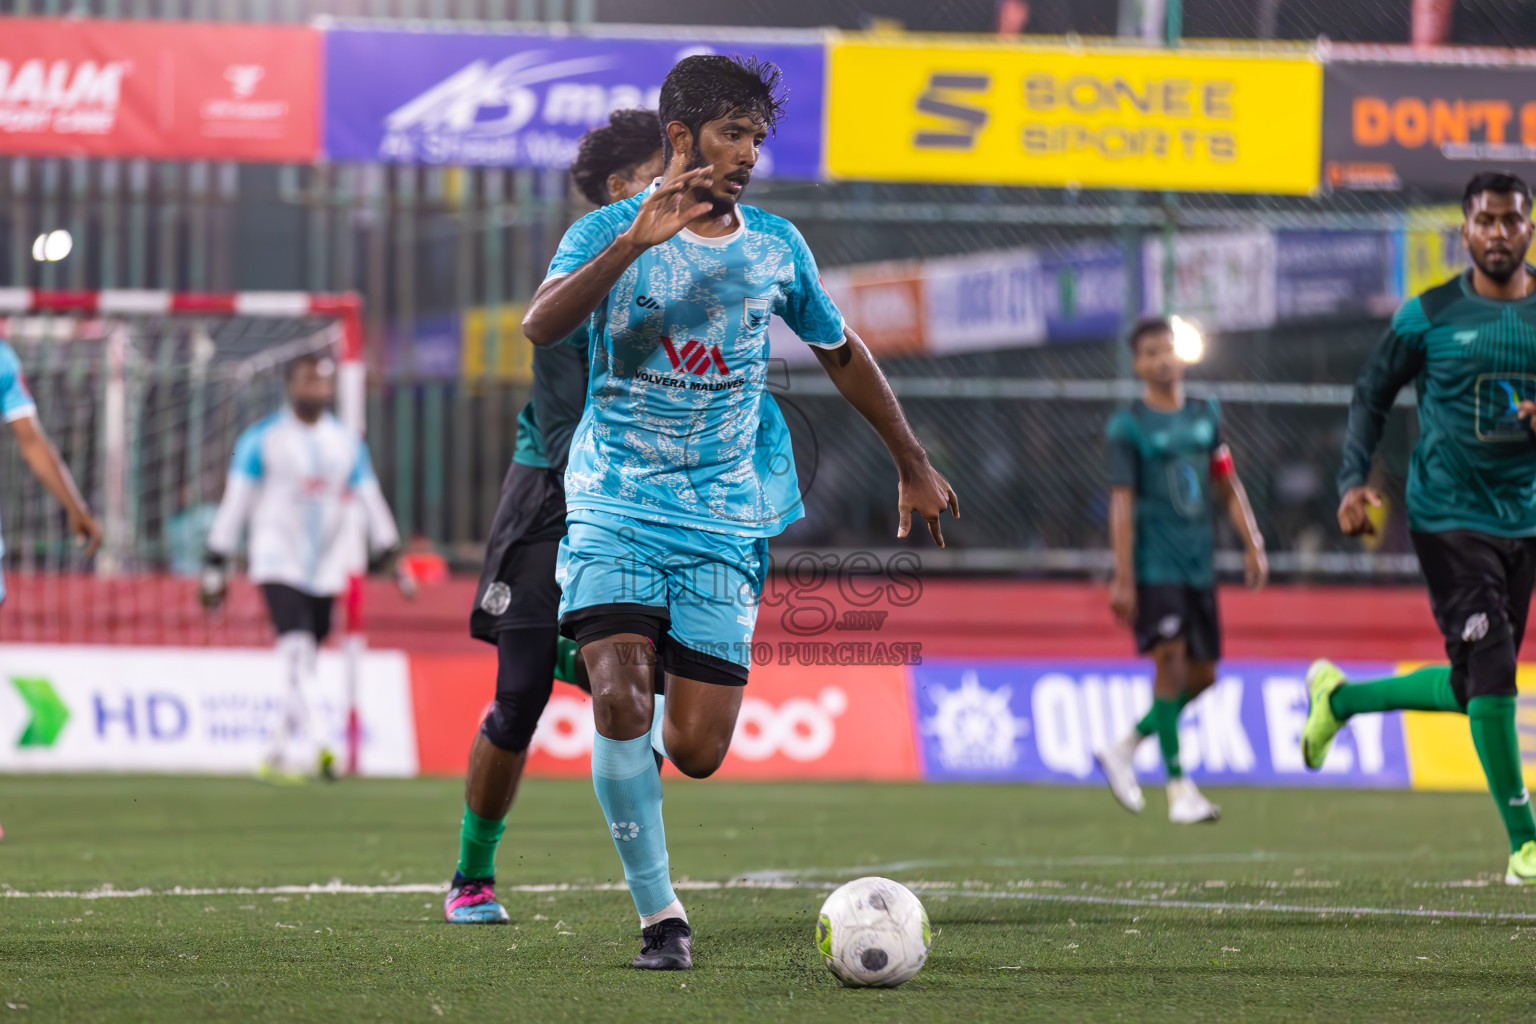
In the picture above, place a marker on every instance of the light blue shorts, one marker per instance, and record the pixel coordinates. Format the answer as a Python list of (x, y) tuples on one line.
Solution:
[(704, 586)]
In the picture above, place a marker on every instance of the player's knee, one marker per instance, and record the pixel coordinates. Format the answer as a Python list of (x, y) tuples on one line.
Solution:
[(1491, 661), (510, 724), (698, 760)]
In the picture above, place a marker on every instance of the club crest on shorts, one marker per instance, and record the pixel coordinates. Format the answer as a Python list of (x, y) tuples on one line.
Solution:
[(497, 599), (1476, 628), (1168, 626)]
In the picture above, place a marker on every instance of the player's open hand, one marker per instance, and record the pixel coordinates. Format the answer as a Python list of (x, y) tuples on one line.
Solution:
[(1355, 511), (926, 492), (669, 209), (1255, 568), (1122, 600), (86, 529)]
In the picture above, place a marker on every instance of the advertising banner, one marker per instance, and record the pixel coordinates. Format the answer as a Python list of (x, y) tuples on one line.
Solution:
[(1335, 273), (1432, 249), (1221, 281), (1084, 292), (885, 303), (795, 722), (185, 710), (906, 110), (1387, 126), (524, 99), (159, 89), (987, 301), (1039, 721)]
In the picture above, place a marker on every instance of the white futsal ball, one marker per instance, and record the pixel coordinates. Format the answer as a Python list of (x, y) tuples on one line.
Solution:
[(874, 933)]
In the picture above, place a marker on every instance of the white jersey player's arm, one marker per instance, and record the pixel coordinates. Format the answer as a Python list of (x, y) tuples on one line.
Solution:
[(383, 534), (241, 489)]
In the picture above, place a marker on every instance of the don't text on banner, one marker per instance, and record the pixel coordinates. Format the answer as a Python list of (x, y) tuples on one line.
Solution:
[(525, 99), (159, 89), (905, 110)]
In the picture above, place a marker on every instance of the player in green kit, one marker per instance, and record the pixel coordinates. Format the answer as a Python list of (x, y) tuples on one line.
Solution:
[(1469, 348), (1167, 465)]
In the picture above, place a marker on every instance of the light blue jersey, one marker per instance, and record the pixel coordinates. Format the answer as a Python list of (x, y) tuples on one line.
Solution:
[(679, 427), (15, 403)]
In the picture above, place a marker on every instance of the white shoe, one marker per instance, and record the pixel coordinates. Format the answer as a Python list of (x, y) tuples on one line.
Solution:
[(1115, 762), (1187, 805)]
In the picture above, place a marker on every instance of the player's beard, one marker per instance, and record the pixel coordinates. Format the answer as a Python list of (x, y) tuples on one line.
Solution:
[(718, 206), (309, 410), (1500, 275)]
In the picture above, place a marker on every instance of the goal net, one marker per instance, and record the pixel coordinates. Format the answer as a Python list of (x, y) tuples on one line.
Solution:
[(144, 394)]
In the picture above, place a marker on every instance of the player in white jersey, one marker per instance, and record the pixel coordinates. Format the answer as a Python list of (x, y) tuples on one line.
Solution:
[(681, 467), (305, 484), (19, 410)]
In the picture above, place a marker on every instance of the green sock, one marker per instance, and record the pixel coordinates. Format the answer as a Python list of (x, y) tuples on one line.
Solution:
[(1166, 713), (565, 659), (1498, 747), (477, 844), (1148, 724), (1427, 689)]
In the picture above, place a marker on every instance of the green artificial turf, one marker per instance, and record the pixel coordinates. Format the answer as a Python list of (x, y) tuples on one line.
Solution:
[(1021, 884)]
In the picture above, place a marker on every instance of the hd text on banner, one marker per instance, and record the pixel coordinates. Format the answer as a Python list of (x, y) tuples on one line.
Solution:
[(525, 99), (1039, 721), (986, 112), (159, 89)]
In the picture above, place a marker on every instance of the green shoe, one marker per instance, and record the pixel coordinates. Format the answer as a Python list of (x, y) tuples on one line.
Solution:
[(1522, 866), (328, 770), (275, 777), (1317, 735)]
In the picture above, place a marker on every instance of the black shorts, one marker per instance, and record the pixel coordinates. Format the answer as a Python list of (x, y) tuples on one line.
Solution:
[(1170, 611), (598, 622), (294, 611), (1479, 587), (517, 585)]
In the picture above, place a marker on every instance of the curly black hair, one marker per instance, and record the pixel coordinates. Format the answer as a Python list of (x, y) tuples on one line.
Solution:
[(628, 140), (708, 86)]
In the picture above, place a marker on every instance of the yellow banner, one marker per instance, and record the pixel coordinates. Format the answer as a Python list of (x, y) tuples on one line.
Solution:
[(512, 358), (1433, 252), (1440, 751), (904, 110)]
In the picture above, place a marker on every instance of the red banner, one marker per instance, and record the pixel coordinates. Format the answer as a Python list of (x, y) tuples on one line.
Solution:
[(795, 722), (164, 90)]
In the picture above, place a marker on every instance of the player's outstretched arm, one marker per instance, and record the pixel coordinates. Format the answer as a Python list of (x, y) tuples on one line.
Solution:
[(1122, 540), (920, 487), (44, 461), (1230, 492), (562, 303)]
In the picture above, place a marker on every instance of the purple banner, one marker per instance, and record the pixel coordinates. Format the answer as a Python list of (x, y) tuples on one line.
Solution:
[(1335, 273), (523, 100), (1040, 721)]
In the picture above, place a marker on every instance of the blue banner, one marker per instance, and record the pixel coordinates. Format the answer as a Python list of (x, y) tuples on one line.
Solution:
[(1084, 292), (1040, 721), (523, 100), (1335, 273)]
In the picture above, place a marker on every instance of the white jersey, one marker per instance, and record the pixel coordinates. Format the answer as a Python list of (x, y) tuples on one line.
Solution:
[(314, 504)]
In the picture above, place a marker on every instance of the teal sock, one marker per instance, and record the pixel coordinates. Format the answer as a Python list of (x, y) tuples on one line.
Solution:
[(1498, 748), (628, 787), (478, 838), (1166, 714), (1426, 689), (1148, 724), (657, 718)]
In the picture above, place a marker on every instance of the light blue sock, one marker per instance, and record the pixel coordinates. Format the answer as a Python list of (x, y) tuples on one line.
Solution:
[(629, 789), (658, 717)]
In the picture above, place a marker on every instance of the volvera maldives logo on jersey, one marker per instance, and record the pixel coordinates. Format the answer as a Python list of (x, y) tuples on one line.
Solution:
[(696, 358)]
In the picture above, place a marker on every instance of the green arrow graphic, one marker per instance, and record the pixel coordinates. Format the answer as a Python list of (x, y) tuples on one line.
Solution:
[(49, 713)]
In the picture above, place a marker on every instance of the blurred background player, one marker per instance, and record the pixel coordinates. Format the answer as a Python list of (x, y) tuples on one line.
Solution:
[(305, 483), (19, 410), (670, 513), (1469, 347), (1166, 464), (517, 603)]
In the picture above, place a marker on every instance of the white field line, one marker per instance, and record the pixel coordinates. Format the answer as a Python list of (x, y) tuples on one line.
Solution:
[(944, 889)]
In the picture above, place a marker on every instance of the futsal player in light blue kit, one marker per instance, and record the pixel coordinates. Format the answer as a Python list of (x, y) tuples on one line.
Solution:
[(681, 467)]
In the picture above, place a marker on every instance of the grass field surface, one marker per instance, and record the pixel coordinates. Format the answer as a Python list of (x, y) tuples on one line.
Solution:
[(129, 899)]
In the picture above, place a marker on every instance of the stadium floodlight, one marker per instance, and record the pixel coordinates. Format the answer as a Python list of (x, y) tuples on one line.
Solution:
[(52, 246), (1188, 342)]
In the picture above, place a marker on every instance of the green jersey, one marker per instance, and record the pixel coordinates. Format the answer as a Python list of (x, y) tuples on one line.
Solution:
[(1165, 458), (546, 424), (1472, 361)]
